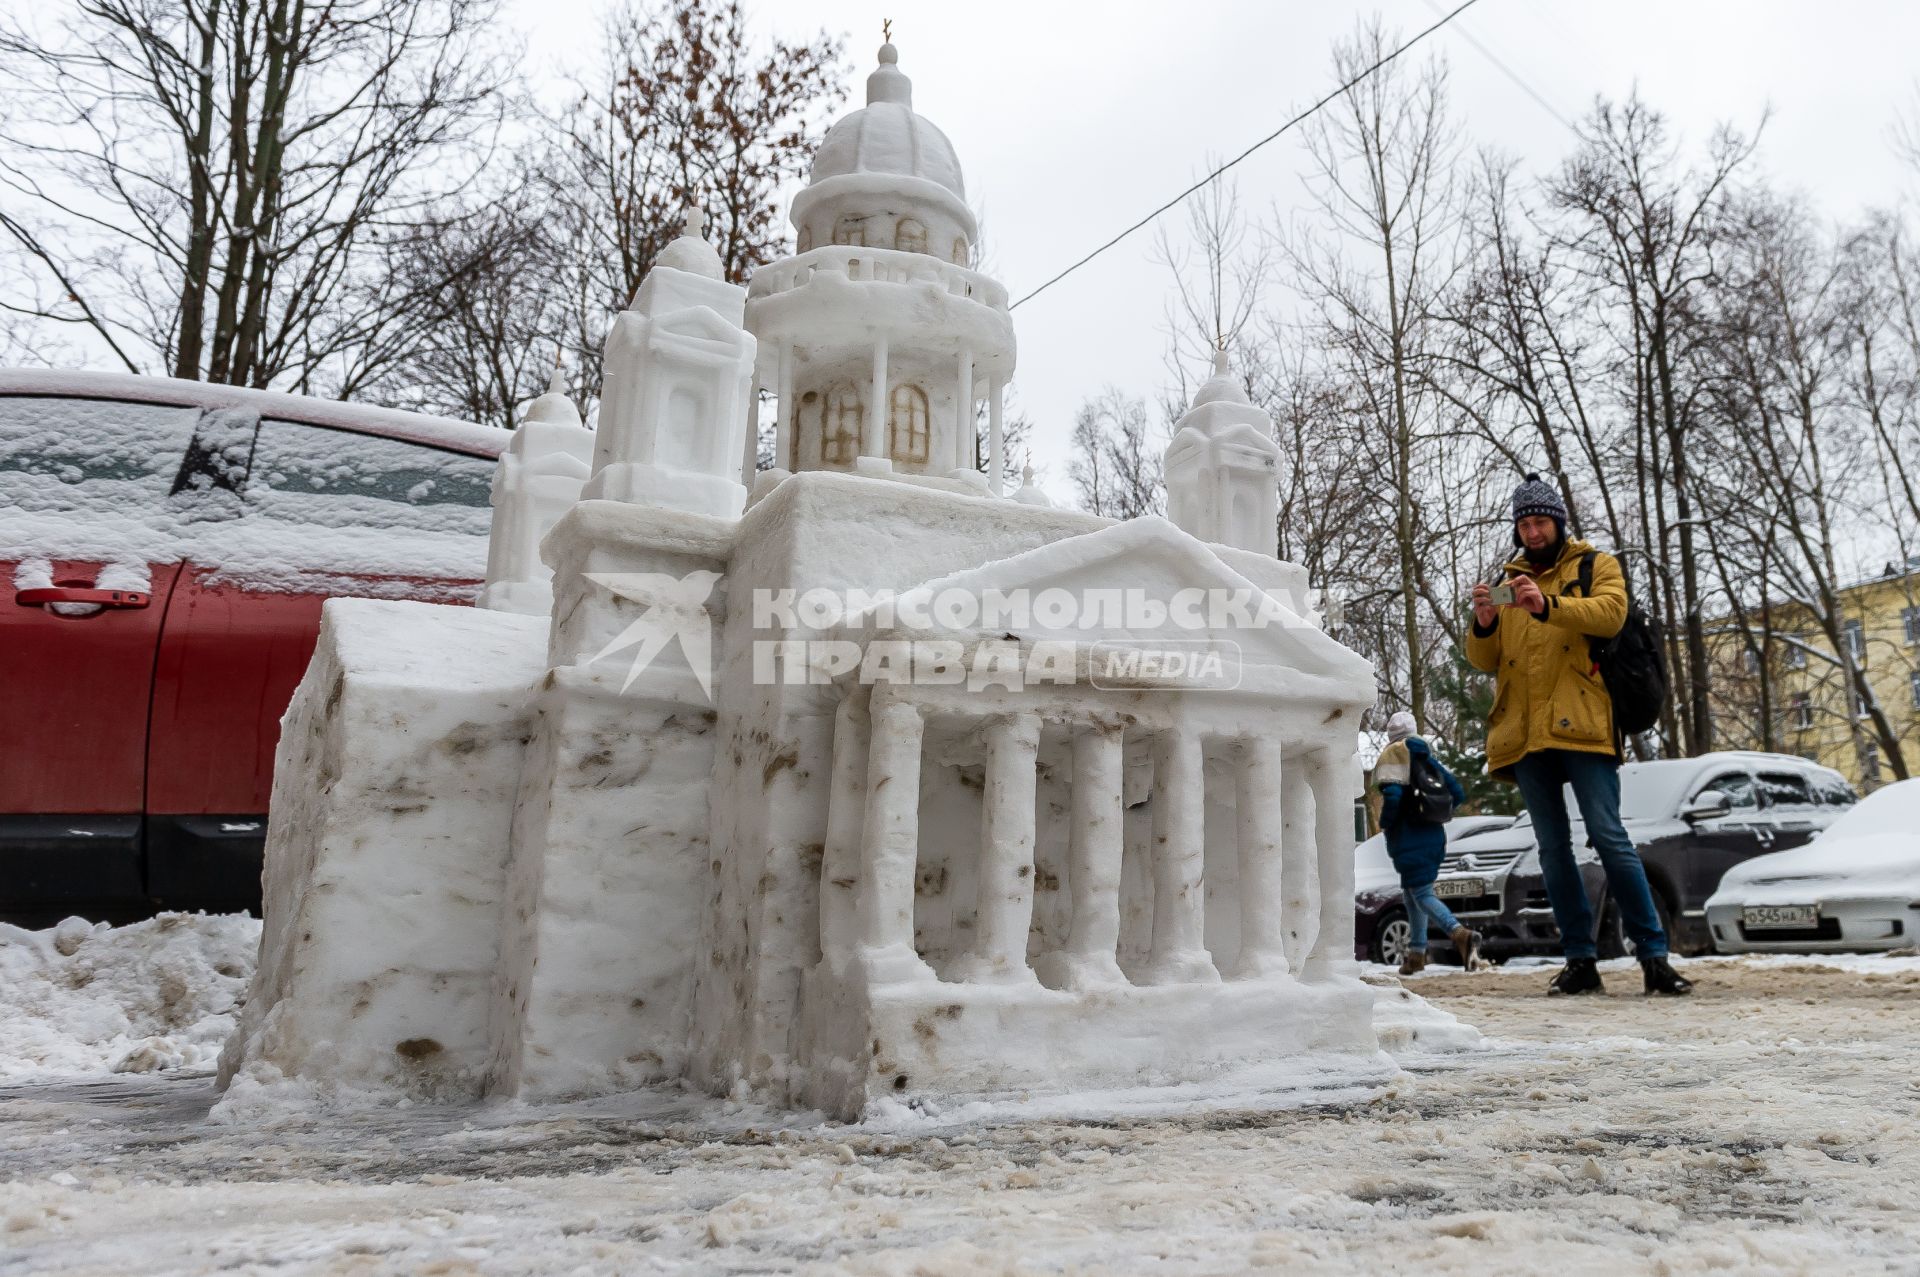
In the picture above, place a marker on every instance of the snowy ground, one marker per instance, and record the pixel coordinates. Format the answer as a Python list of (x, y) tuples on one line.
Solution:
[(1767, 1125)]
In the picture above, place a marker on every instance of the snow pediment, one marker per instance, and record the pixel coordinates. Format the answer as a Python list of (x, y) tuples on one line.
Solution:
[(666, 292), (701, 323), (1139, 583), (1239, 445)]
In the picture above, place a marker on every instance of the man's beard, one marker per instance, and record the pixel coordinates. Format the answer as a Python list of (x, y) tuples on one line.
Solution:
[(1547, 555)]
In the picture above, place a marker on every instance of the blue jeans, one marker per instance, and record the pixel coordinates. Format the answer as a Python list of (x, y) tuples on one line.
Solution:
[(1424, 907), (1595, 779)]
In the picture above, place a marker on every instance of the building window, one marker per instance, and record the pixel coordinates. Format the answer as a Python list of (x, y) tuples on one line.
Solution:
[(960, 251), (1913, 686), (910, 236), (1910, 625), (1860, 706), (840, 429), (851, 231), (1870, 761), (1855, 635), (1796, 652), (907, 434), (1800, 711), (1750, 661)]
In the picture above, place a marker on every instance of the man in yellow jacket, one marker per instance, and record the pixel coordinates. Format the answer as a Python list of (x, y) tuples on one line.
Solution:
[(1551, 729)]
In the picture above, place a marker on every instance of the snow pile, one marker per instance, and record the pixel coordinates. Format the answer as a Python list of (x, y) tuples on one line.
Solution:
[(84, 997)]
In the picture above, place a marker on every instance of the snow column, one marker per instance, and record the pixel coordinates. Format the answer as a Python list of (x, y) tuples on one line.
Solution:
[(1005, 910), (1260, 819), (1330, 774), (1178, 954), (1095, 845), (1299, 902), (890, 844), (840, 865)]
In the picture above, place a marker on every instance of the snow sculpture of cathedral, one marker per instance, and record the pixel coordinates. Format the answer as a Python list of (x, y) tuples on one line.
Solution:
[(685, 824)]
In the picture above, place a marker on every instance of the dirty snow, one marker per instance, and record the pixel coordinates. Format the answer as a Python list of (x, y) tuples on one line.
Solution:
[(1763, 1126), (86, 998)]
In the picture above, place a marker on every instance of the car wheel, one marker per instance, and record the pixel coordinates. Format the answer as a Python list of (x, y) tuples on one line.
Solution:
[(1390, 936)]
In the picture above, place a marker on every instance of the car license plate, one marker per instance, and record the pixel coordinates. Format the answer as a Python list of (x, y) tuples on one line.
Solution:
[(1460, 888), (1760, 917)]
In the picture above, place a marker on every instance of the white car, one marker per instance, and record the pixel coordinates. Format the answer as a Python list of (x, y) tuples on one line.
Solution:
[(1854, 887)]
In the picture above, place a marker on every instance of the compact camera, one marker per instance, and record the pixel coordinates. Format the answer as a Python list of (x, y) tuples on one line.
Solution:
[(1501, 595)]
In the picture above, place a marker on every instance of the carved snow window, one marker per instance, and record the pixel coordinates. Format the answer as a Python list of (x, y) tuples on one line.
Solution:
[(851, 231), (910, 236), (907, 435), (960, 251), (841, 426)]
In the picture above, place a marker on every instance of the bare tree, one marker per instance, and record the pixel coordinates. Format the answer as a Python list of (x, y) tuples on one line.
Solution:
[(199, 186), (1383, 158), (1646, 227), (684, 110), (1116, 470)]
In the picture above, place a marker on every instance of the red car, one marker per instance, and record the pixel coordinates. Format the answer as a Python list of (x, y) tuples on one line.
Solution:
[(165, 547)]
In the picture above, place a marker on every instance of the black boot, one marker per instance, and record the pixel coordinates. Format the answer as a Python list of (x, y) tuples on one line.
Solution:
[(1580, 975), (1663, 979)]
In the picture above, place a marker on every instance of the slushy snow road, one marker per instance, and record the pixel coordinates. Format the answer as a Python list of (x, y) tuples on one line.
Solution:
[(1766, 1125)]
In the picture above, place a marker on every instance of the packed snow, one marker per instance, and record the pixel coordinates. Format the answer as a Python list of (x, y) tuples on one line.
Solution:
[(1763, 1126), (88, 998)]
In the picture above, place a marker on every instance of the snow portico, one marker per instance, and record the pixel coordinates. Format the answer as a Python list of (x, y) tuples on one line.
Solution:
[(690, 822)]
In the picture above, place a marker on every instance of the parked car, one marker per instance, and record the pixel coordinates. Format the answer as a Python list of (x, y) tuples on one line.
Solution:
[(1692, 819), (165, 548), (1380, 928), (1855, 887)]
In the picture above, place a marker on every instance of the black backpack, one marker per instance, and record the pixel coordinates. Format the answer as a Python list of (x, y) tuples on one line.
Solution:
[(1427, 801), (1633, 663)]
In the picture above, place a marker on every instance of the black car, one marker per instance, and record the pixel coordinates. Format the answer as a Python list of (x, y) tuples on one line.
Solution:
[(1692, 820)]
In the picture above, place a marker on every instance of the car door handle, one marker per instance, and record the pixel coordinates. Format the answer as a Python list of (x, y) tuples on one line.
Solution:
[(43, 595)]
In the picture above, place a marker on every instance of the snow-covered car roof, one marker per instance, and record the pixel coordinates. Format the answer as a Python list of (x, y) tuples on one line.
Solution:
[(393, 423), (1873, 849)]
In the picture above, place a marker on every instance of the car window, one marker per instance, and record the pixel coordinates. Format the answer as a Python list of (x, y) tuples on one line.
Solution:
[(1737, 786), (1785, 789), (89, 456), (1832, 791), (334, 478)]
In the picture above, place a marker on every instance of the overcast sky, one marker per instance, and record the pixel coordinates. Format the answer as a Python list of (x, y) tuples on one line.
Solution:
[(1072, 120)]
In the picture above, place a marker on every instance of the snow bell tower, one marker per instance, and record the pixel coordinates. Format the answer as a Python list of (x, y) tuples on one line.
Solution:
[(674, 398), (879, 341), (1223, 468)]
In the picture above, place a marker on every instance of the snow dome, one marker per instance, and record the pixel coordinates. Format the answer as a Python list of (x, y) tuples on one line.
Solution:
[(886, 177)]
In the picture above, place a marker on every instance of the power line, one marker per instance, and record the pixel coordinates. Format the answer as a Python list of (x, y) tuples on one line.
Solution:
[(1244, 154), (1507, 71)]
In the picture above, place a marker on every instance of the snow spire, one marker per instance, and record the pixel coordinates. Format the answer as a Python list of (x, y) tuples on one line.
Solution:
[(554, 405), (1029, 494), (1220, 360), (889, 83), (690, 251)]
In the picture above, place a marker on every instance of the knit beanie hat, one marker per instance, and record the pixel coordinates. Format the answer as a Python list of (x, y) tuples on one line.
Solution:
[(1535, 496), (1400, 726)]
